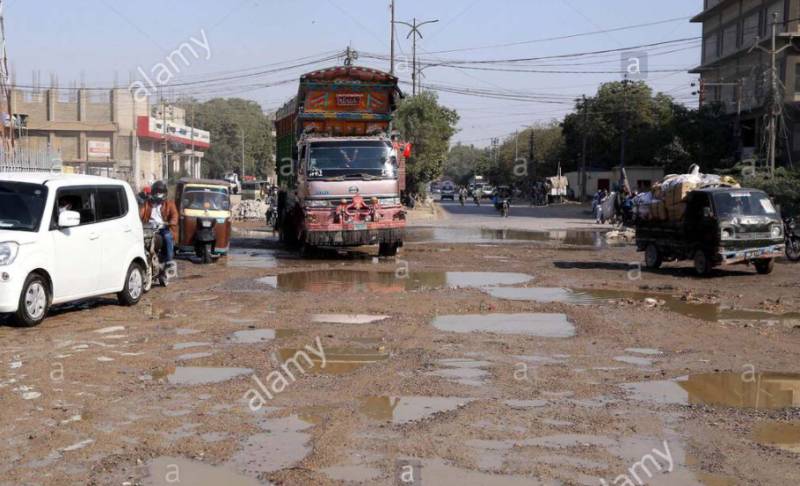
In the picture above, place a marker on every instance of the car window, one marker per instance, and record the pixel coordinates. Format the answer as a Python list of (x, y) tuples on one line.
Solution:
[(78, 199), (111, 203)]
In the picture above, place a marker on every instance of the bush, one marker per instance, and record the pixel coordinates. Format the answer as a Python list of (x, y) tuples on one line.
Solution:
[(784, 189)]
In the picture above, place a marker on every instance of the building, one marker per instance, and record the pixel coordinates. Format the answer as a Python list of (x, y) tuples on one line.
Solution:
[(738, 76), (640, 178), (106, 132)]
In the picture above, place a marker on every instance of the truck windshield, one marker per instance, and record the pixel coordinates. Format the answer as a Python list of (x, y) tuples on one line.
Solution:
[(351, 159), (743, 203), (21, 205)]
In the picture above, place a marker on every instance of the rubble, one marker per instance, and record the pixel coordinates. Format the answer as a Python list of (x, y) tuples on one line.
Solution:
[(249, 210)]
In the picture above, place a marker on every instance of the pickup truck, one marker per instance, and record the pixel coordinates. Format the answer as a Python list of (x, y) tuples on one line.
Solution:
[(720, 227)]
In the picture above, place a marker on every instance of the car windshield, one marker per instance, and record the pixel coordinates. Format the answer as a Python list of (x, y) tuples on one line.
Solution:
[(21, 205), (211, 199), (743, 203), (351, 160)]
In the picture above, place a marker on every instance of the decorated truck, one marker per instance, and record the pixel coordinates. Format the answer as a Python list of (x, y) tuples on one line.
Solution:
[(340, 172)]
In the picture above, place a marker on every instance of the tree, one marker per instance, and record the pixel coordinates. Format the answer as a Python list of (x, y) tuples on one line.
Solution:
[(466, 161), (226, 119), (429, 126)]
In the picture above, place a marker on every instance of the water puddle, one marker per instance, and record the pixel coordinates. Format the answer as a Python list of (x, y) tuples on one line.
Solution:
[(785, 436), (591, 238), (282, 444), (338, 361), (737, 390), (196, 375), (253, 336), (541, 325), (182, 346), (389, 282), (644, 351), (402, 410), (163, 470), (352, 472), (347, 318), (634, 360), (191, 356), (438, 471), (468, 372), (248, 258), (544, 295)]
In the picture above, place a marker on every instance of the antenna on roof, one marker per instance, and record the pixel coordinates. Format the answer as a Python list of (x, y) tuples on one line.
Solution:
[(350, 55)]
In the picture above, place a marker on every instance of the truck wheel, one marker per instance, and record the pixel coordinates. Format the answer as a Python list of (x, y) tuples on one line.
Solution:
[(652, 257), (34, 301), (765, 266), (702, 263), (388, 249)]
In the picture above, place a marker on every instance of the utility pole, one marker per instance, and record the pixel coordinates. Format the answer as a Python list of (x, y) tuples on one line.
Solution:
[(165, 155), (775, 103), (516, 146), (415, 32), (391, 41), (585, 131), (242, 179), (191, 156)]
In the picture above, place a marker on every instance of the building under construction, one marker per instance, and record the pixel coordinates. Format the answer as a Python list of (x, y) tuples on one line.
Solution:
[(736, 70)]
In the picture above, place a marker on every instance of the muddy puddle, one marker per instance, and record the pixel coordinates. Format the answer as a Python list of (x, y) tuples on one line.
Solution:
[(736, 390), (468, 372), (166, 471), (703, 311), (588, 238), (402, 410), (252, 336), (250, 258), (338, 360), (197, 375), (347, 318), (388, 282), (785, 436), (541, 325), (283, 444)]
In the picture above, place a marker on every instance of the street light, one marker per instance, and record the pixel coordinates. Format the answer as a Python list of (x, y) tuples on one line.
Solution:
[(415, 32)]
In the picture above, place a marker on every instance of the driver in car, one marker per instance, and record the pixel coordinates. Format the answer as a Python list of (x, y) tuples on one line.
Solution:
[(163, 214)]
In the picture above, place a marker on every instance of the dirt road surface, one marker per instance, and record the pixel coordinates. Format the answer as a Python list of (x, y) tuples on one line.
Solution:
[(484, 354)]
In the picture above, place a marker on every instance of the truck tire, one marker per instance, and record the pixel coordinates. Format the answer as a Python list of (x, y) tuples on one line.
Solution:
[(765, 266), (34, 301), (388, 249), (702, 263), (652, 257)]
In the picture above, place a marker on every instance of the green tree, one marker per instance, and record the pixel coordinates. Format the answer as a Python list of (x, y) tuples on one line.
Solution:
[(465, 161), (429, 126), (227, 119), (517, 166)]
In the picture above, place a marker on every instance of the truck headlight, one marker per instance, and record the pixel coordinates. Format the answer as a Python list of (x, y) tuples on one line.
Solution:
[(390, 201), (776, 231), (318, 203), (8, 252)]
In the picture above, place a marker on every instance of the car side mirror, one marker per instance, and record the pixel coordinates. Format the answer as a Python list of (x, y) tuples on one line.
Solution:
[(69, 219)]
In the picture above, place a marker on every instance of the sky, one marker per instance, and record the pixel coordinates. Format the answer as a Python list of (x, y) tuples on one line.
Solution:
[(257, 49)]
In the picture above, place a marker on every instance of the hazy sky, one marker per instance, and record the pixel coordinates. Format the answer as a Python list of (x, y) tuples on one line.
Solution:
[(103, 40)]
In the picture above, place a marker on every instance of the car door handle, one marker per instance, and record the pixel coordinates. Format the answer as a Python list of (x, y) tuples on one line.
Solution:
[(93, 236)]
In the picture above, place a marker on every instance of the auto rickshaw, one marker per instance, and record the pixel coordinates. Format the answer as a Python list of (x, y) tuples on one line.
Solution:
[(205, 217)]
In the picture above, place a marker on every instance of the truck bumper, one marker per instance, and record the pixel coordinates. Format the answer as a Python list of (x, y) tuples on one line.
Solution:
[(731, 257), (355, 237)]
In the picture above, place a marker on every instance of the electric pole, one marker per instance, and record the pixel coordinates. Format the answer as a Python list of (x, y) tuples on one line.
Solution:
[(585, 130), (391, 42), (242, 155), (415, 32)]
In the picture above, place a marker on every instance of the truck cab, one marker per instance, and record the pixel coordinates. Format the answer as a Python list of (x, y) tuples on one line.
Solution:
[(721, 226)]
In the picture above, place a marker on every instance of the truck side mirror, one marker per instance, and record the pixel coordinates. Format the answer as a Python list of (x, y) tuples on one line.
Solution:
[(707, 213)]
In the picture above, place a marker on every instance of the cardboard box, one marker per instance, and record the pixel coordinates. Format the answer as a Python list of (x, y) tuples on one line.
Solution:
[(677, 193), (676, 212)]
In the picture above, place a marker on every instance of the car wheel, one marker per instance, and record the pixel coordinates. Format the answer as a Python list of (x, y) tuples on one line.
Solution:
[(134, 286), (765, 266), (34, 301), (702, 264), (652, 257)]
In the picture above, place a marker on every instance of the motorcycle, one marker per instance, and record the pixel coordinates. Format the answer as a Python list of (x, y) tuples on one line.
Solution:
[(461, 199), (792, 239), (477, 200), (157, 271)]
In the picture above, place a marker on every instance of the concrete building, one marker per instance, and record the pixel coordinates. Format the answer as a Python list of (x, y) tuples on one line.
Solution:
[(640, 177), (740, 79), (106, 132)]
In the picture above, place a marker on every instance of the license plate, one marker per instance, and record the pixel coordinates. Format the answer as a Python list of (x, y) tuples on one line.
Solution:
[(360, 226), (752, 253)]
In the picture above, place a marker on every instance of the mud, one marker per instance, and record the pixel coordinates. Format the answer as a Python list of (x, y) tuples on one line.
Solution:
[(499, 359)]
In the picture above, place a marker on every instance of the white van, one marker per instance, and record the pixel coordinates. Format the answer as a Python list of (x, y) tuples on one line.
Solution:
[(65, 238)]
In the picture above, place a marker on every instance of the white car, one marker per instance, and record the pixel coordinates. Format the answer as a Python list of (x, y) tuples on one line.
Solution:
[(65, 238)]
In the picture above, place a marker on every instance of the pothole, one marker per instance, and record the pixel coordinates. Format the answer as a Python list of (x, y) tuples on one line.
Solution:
[(541, 325)]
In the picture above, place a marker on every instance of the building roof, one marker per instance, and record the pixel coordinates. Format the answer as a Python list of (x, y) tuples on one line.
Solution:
[(702, 16)]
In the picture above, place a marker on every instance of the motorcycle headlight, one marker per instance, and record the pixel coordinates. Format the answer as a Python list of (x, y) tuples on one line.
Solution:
[(776, 231), (8, 252), (318, 203)]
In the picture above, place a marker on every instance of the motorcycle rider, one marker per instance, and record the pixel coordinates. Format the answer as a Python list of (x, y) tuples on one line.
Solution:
[(163, 214), (462, 195)]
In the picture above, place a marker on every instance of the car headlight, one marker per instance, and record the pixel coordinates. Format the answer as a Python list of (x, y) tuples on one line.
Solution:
[(8, 252), (776, 231), (318, 203)]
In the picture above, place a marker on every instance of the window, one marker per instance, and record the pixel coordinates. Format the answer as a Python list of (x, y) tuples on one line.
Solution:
[(730, 38), (111, 203), (750, 29), (710, 48), (21, 206), (79, 199)]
